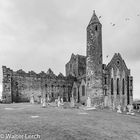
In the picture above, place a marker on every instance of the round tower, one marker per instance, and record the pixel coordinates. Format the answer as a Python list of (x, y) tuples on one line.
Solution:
[(94, 72)]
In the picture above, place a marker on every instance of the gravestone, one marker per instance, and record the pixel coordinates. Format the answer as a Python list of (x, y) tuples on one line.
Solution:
[(48, 98), (32, 99), (88, 102), (43, 102), (72, 102), (89, 105), (124, 109), (130, 110), (58, 102), (61, 100), (119, 109), (106, 101), (102, 105), (113, 106)]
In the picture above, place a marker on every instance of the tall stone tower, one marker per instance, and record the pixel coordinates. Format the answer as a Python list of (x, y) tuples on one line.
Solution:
[(94, 72)]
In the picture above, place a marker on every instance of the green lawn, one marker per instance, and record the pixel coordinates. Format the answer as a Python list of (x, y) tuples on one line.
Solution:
[(54, 123)]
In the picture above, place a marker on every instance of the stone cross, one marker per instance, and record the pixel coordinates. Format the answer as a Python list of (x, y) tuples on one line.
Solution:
[(119, 109)]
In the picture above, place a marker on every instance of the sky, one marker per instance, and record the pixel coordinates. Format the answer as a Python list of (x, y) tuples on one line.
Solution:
[(41, 34)]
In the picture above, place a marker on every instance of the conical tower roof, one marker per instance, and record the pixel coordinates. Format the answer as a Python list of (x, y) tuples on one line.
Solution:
[(94, 19)]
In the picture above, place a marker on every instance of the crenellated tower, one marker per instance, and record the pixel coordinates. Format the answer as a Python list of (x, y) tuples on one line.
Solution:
[(94, 60)]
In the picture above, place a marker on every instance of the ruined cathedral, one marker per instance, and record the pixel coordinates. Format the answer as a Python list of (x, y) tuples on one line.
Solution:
[(86, 76)]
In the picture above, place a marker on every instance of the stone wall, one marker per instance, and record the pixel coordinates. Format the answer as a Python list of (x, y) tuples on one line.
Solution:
[(120, 92), (76, 66), (19, 86)]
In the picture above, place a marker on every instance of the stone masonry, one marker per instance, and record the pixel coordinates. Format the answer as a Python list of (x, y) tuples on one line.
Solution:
[(94, 73), (19, 86), (109, 84)]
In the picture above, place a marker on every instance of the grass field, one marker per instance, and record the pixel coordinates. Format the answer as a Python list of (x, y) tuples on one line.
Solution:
[(26, 121)]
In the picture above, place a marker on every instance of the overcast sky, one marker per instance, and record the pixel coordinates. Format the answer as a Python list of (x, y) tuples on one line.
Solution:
[(41, 34)]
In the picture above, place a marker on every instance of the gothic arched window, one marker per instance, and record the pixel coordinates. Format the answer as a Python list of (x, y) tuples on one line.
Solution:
[(112, 86), (83, 90), (105, 80), (52, 94), (52, 87), (123, 87), (74, 93), (96, 28), (118, 88)]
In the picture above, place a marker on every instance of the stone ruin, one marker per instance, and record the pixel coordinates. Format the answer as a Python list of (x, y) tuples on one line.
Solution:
[(86, 76)]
